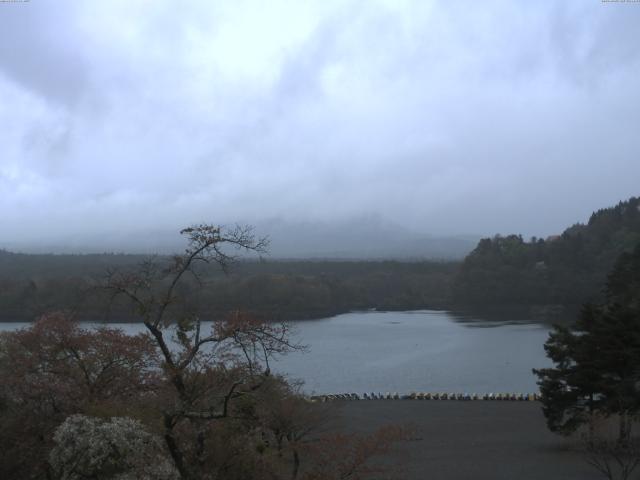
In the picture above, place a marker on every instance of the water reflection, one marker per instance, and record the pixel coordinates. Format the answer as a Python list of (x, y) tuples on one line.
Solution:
[(496, 316)]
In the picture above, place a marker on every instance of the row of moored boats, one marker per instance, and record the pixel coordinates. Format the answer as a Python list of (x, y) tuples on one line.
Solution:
[(512, 397)]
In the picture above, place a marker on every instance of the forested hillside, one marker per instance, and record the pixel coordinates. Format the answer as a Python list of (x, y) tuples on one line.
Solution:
[(502, 271), (567, 269), (33, 284)]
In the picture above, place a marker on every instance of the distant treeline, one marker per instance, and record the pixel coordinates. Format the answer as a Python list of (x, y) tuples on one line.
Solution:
[(567, 269), (504, 271), (283, 290)]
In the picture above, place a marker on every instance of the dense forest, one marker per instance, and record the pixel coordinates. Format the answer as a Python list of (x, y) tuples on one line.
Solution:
[(282, 290), (563, 270)]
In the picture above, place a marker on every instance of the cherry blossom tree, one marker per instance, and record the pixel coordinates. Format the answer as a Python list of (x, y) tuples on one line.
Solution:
[(119, 448), (54, 369)]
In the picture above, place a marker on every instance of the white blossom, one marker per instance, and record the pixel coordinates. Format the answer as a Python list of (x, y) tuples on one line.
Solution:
[(116, 449)]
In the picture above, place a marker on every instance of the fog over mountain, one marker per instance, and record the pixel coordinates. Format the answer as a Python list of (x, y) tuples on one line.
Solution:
[(366, 238), (337, 127)]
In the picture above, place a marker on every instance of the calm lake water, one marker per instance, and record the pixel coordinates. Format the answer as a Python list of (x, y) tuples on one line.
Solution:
[(428, 351)]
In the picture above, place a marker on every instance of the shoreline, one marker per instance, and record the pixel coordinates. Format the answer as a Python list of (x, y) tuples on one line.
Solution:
[(430, 397), (539, 313)]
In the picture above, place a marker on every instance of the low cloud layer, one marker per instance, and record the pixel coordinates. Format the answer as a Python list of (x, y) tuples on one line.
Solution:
[(438, 117)]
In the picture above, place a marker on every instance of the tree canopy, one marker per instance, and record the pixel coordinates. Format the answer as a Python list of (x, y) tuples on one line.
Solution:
[(570, 268), (597, 360)]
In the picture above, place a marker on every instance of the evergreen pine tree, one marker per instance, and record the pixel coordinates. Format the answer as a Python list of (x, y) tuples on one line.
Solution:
[(597, 360)]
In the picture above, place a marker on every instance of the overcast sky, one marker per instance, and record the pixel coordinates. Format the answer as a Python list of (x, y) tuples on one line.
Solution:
[(443, 117)]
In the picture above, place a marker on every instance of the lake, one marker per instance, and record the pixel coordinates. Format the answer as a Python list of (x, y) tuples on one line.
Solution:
[(430, 351)]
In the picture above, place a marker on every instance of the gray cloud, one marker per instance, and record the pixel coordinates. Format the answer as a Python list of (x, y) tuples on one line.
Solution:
[(41, 50), (440, 117)]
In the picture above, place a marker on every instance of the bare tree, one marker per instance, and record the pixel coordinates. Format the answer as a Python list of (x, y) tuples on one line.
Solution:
[(207, 372), (205, 389), (615, 456), (612, 458), (349, 456)]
